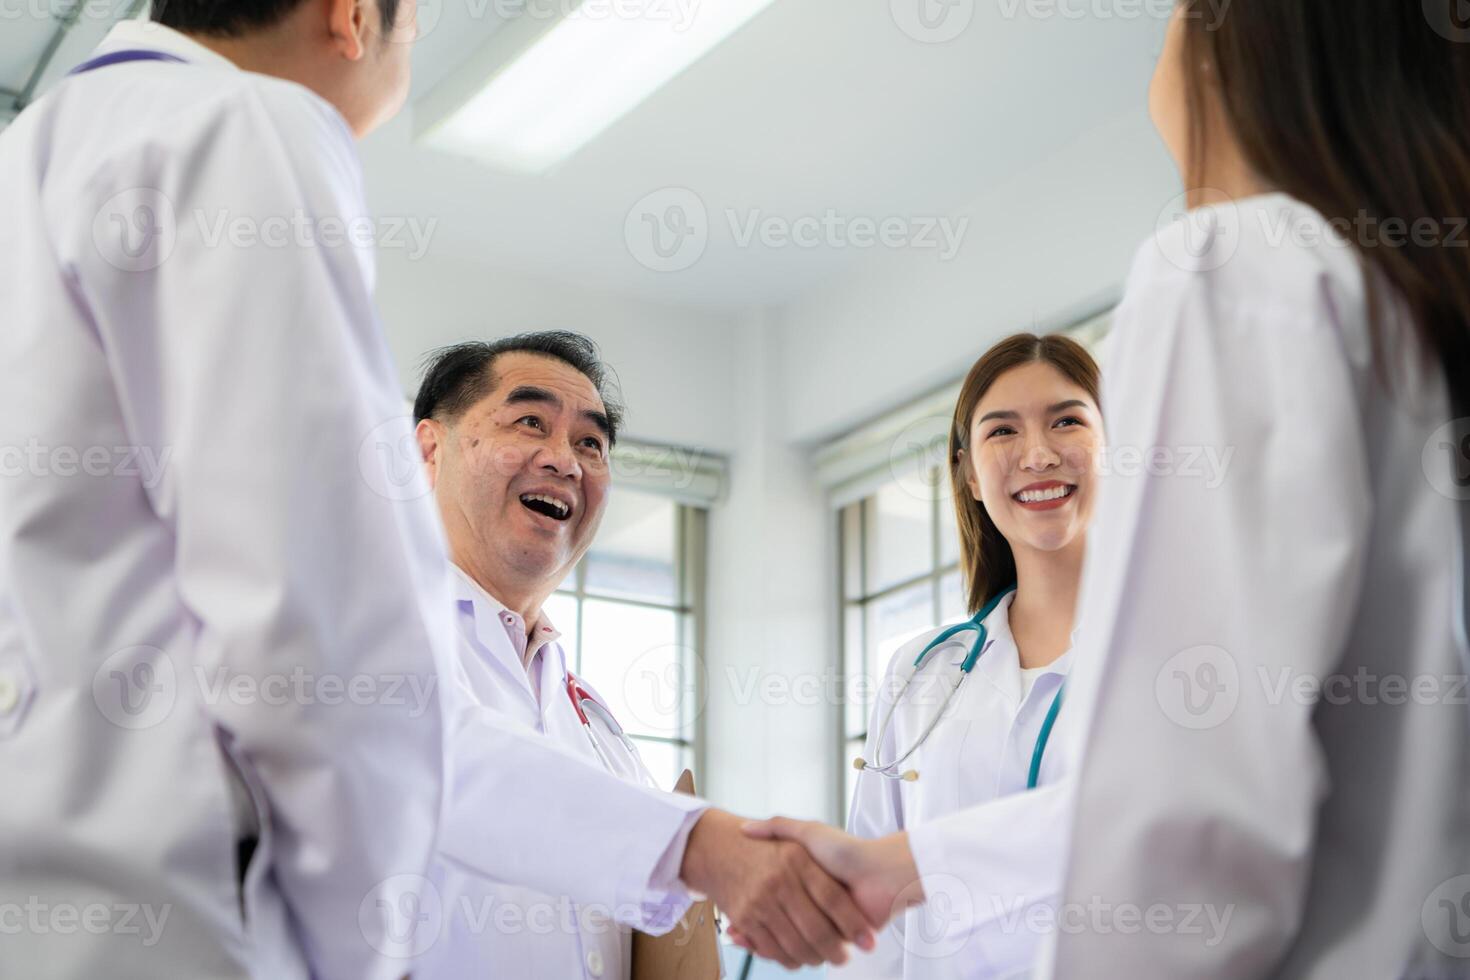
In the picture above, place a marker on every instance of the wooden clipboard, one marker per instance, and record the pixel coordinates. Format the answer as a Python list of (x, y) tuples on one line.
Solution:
[(689, 951)]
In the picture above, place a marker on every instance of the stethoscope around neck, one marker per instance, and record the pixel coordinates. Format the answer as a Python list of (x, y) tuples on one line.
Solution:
[(894, 768), (587, 707)]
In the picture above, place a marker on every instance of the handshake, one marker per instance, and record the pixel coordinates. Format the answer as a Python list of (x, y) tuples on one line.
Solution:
[(799, 892)]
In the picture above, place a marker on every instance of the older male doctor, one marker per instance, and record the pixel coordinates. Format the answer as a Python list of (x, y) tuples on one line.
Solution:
[(154, 776), (515, 435)]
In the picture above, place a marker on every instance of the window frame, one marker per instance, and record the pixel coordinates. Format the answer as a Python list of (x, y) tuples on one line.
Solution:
[(854, 555), (689, 609)]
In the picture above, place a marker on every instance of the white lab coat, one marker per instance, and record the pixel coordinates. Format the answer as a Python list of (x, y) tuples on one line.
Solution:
[(224, 597), (1301, 836), (495, 930), (980, 752)]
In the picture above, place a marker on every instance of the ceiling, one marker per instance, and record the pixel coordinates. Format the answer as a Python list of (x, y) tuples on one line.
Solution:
[(816, 107)]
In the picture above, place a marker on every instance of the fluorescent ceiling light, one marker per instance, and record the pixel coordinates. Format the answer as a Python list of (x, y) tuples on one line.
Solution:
[(570, 81)]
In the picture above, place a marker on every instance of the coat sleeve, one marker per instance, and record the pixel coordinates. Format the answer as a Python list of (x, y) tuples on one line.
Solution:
[(248, 354), (1224, 563), (524, 811)]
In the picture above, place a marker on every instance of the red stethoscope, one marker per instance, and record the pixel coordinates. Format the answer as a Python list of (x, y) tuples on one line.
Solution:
[(587, 707)]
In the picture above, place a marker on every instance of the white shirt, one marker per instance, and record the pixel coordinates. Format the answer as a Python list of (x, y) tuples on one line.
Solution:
[(496, 930), (1237, 773), (979, 925), (220, 567)]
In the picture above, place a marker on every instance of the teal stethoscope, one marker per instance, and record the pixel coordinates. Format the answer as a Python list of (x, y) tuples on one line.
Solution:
[(977, 623)]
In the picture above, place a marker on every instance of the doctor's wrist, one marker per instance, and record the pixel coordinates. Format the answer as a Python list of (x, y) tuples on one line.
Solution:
[(709, 837)]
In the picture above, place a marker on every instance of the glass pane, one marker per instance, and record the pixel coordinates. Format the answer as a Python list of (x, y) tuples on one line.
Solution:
[(900, 545), (631, 658), (897, 618), (634, 553), (561, 609), (665, 760), (952, 598)]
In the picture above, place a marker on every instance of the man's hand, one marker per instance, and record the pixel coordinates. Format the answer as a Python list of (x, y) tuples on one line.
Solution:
[(784, 906), (880, 874)]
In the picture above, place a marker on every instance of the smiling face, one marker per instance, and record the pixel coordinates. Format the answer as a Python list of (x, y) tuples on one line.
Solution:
[(1034, 437), (521, 476)]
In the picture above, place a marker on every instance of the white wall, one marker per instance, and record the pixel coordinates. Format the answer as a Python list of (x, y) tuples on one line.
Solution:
[(673, 363), (1053, 241), (770, 622)]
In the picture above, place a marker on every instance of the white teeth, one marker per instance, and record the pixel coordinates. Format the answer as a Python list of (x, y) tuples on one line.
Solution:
[(1039, 496), (561, 508)]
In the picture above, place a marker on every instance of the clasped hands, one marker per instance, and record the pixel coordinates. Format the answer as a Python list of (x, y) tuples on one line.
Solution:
[(799, 892)]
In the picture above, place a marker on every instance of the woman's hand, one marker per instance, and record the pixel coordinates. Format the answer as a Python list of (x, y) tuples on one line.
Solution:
[(880, 874), (776, 896)]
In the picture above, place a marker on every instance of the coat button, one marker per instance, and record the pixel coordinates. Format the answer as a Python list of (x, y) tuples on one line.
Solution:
[(594, 963), (9, 693)]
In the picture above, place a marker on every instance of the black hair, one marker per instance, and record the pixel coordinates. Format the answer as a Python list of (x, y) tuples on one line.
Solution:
[(232, 18), (458, 376)]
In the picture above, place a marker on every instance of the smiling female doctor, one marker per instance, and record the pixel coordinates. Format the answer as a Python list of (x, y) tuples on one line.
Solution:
[(950, 730), (1271, 679)]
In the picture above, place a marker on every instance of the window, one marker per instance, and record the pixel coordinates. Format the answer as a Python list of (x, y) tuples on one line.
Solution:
[(900, 577), (630, 617)]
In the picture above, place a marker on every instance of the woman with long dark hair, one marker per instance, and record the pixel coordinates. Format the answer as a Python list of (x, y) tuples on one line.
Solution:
[(965, 712), (1270, 681)]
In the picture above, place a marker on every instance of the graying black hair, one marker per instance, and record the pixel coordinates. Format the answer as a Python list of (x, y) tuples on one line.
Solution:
[(458, 376)]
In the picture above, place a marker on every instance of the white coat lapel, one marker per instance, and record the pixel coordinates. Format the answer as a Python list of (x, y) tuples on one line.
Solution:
[(489, 632)]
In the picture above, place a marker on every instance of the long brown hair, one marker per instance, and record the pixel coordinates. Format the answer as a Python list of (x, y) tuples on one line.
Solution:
[(985, 555), (1356, 107)]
